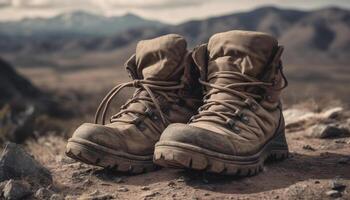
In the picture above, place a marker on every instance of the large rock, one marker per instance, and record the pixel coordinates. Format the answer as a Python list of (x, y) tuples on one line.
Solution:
[(20, 105), (13, 86), (296, 119), (327, 131), (15, 163)]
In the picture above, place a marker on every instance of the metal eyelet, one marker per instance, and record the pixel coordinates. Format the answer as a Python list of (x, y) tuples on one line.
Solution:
[(254, 107), (155, 117), (149, 112), (245, 119), (232, 125), (236, 129), (251, 104)]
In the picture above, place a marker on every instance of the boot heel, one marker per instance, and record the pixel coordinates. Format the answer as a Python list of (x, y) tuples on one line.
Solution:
[(278, 147)]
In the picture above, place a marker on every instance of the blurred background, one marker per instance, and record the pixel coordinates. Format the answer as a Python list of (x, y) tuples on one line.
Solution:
[(59, 57)]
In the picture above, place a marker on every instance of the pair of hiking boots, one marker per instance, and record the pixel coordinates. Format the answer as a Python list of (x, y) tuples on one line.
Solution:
[(216, 108)]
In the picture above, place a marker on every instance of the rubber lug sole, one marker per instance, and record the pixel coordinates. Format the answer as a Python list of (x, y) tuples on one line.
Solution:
[(179, 155), (96, 156)]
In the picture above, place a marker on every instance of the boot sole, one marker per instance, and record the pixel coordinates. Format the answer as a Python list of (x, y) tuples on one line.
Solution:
[(181, 155), (94, 154)]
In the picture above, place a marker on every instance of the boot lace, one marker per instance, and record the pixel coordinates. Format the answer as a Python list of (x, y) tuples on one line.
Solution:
[(229, 118), (163, 88)]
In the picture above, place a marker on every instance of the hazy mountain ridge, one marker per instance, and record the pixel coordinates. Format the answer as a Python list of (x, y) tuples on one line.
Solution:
[(310, 37), (75, 23)]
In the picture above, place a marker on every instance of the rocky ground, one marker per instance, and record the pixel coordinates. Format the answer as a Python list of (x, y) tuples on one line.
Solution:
[(318, 168)]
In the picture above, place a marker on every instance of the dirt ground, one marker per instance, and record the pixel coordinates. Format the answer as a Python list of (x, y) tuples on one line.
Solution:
[(308, 173)]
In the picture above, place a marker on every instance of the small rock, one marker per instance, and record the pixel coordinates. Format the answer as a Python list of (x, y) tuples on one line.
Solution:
[(333, 112), (122, 189), (95, 195), (317, 182), (43, 193), (344, 160), (333, 193), (150, 194), (325, 131), (64, 159), (171, 184), (181, 179), (16, 163), (340, 141), (14, 190), (308, 147), (56, 197), (337, 184), (145, 188), (118, 180), (295, 117)]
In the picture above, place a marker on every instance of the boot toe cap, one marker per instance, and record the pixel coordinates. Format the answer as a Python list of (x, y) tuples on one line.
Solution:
[(98, 135), (198, 137)]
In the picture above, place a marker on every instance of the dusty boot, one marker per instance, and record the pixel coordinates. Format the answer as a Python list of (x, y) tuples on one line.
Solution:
[(161, 70), (240, 123)]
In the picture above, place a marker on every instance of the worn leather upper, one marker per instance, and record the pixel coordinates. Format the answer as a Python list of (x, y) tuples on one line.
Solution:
[(139, 124), (252, 58)]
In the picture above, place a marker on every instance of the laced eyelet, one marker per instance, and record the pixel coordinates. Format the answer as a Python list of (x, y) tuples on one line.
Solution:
[(251, 104), (137, 121), (155, 117), (149, 113), (268, 97), (236, 129), (244, 119), (232, 125)]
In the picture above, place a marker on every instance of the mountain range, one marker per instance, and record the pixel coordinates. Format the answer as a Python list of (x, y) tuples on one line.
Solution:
[(310, 37), (78, 23)]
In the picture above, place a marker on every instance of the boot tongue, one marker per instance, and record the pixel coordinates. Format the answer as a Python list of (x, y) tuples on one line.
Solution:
[(240, 51), (160, 59)]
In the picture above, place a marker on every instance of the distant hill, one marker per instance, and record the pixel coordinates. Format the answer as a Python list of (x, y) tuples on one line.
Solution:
[(77, 23), (310, 37)]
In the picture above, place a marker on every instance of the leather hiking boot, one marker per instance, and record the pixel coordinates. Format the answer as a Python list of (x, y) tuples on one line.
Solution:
[(240, 123), (161, 71)]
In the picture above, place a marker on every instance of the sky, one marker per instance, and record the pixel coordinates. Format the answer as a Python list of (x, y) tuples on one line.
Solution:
[(169, 11)]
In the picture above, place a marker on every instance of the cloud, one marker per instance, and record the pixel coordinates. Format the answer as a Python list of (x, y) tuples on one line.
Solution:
[(5, 3), (170, 11), (132, 4), (48, 4), (154, 4)]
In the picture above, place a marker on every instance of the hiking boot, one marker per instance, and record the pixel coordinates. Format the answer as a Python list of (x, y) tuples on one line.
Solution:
[(240, 123), (161, 70)]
